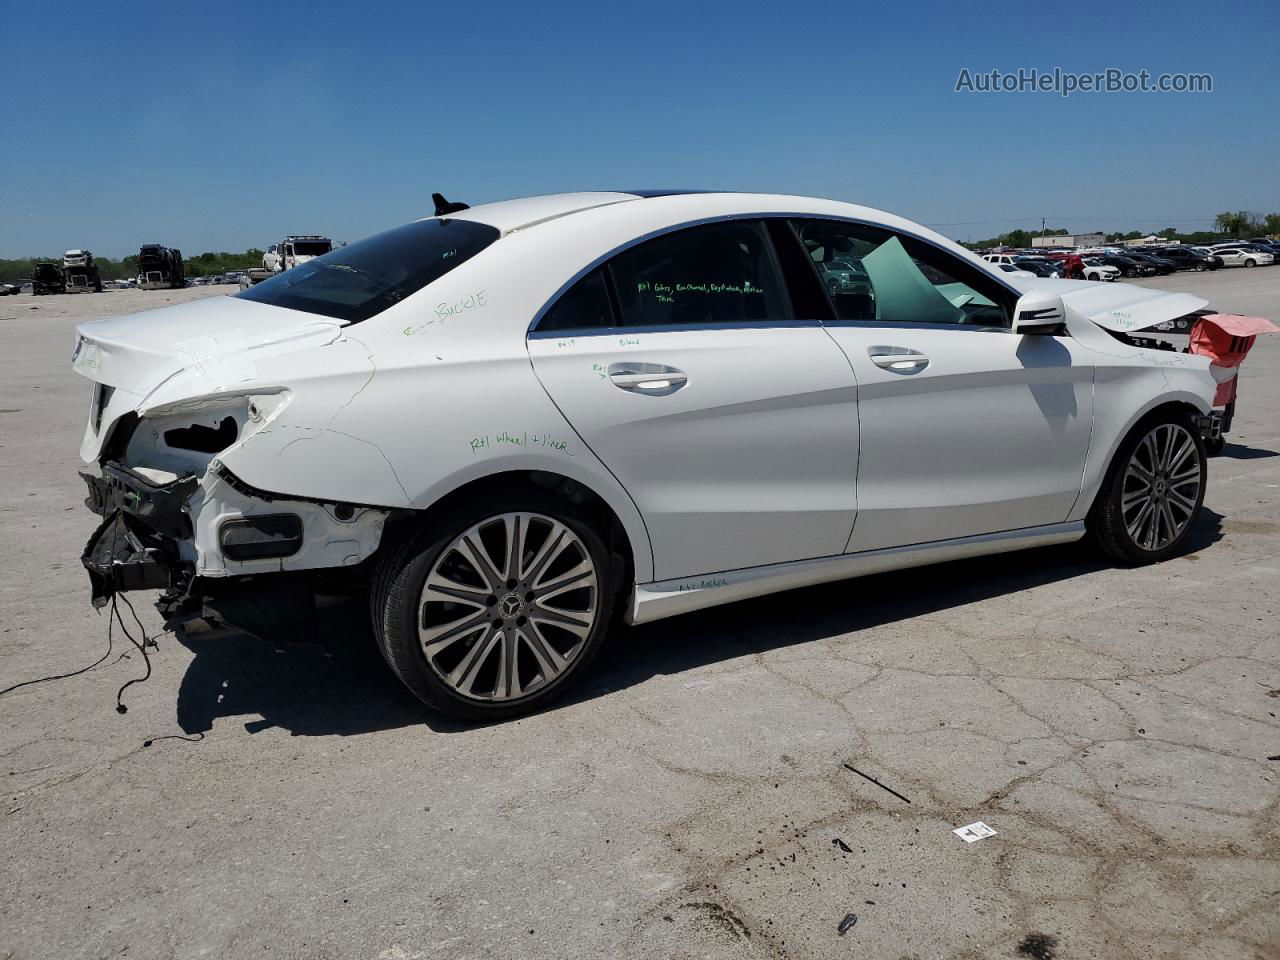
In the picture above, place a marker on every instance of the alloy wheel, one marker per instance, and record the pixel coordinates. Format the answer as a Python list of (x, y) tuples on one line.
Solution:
[(1161, 488), (508, 606)]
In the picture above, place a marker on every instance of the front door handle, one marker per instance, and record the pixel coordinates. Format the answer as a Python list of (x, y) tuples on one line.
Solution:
[(648, 379), (898, 359)]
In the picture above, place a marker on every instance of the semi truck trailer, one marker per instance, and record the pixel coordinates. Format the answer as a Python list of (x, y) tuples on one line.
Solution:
[(160, 268)]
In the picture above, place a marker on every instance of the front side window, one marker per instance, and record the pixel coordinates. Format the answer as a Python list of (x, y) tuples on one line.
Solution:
[(899, 278), (714, 274), (364, 278)]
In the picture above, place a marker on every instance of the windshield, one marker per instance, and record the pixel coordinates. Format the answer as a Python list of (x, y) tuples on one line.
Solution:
[(358, 281), (311, 248)]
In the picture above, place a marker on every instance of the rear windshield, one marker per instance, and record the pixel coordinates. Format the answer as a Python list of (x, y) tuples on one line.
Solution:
[(356, 282)]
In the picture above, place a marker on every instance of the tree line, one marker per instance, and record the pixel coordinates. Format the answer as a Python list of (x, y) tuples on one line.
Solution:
[(1232, 225), (202, 265)]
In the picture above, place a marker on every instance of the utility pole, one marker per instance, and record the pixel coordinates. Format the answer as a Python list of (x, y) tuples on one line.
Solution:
[(1042, 219)]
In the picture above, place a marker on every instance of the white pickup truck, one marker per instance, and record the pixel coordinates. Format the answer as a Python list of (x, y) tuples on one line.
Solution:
[(291, 251)]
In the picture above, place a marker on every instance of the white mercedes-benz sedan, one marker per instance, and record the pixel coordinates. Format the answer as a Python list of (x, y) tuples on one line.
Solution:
[(513, 425)]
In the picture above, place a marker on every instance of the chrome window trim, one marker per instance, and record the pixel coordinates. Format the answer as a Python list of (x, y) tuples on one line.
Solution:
[(669, 328), (724, 218)]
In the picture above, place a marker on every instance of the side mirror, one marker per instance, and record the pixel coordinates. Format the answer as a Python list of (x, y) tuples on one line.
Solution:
[(1039, 312)]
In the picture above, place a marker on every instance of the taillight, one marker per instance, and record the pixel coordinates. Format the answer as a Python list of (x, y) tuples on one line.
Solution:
[(101, 397)]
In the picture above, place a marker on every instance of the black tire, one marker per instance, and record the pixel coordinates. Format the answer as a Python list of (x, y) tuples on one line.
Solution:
[(1250, 263), (396, 609), (1106, 522), (1215, 446), (1130, 274), (1201, 268)]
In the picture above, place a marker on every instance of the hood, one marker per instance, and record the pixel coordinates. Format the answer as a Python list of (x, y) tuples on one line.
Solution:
[(206, 348), (1121, 307)]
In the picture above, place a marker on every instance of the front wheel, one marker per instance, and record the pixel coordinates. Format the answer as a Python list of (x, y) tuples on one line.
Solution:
[(1200, 268), (1152, 492), (1250, 263), (497, 610)]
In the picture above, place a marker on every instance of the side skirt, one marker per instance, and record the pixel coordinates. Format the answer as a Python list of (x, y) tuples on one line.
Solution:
[(667, 598)]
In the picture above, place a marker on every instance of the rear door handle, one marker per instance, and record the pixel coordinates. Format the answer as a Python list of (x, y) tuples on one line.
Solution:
[(648, 379), (898, 359)]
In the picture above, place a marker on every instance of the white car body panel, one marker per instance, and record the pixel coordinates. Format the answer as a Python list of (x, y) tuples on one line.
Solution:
[(755, 466), (1004, 418), (753, 462)]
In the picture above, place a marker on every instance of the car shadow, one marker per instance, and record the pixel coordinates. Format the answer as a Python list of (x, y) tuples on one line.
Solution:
[(342, 687), (338, 686), (1238, 451)]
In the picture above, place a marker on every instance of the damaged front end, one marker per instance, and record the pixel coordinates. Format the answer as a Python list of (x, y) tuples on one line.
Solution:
[(175, 518), (220, 551), (135, 546)]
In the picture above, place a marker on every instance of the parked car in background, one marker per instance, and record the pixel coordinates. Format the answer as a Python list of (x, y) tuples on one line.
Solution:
[(1161, 265), (844, 275), (9, 289), (499, 532), (1127, 266), (1184, 258), (1097, 270), (1014, 271), (1243, 256), (49, 279), (1271, 248), (1041, 268)]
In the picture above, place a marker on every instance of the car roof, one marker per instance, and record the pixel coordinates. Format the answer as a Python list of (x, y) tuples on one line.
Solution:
[(654, 208), (583, 226), (521, 212)]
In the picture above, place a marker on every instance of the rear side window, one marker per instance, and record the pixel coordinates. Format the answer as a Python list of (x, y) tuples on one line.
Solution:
[(584, 307), (714, 274), (361, 280)]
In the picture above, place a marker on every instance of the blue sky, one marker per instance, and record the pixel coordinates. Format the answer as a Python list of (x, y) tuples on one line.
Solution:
[(226, 126)]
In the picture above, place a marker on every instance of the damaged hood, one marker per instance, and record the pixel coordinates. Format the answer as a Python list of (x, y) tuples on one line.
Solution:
[(211, 344), (1121, 307)]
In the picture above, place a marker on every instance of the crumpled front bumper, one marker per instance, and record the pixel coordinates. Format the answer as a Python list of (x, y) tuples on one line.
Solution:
[(136, 545)]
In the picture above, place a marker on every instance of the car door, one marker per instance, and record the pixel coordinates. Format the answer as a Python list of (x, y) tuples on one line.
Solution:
[(731, 422), (966, 427)]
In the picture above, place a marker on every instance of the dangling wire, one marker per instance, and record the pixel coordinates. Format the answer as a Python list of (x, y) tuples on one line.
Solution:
[(141, 647), (64, 676)]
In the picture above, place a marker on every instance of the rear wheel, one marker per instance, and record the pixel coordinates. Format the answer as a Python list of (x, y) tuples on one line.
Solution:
[(498, 610), (1152, 493)]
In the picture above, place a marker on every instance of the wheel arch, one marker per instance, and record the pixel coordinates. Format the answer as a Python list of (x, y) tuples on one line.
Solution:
[(1097, 468), (619, 525)]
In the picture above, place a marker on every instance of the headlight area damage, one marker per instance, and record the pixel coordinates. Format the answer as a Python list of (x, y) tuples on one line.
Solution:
[(176, 519), (218, 549)]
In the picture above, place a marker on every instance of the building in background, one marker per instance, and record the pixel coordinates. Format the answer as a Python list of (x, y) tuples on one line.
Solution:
[(1068, 240)]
